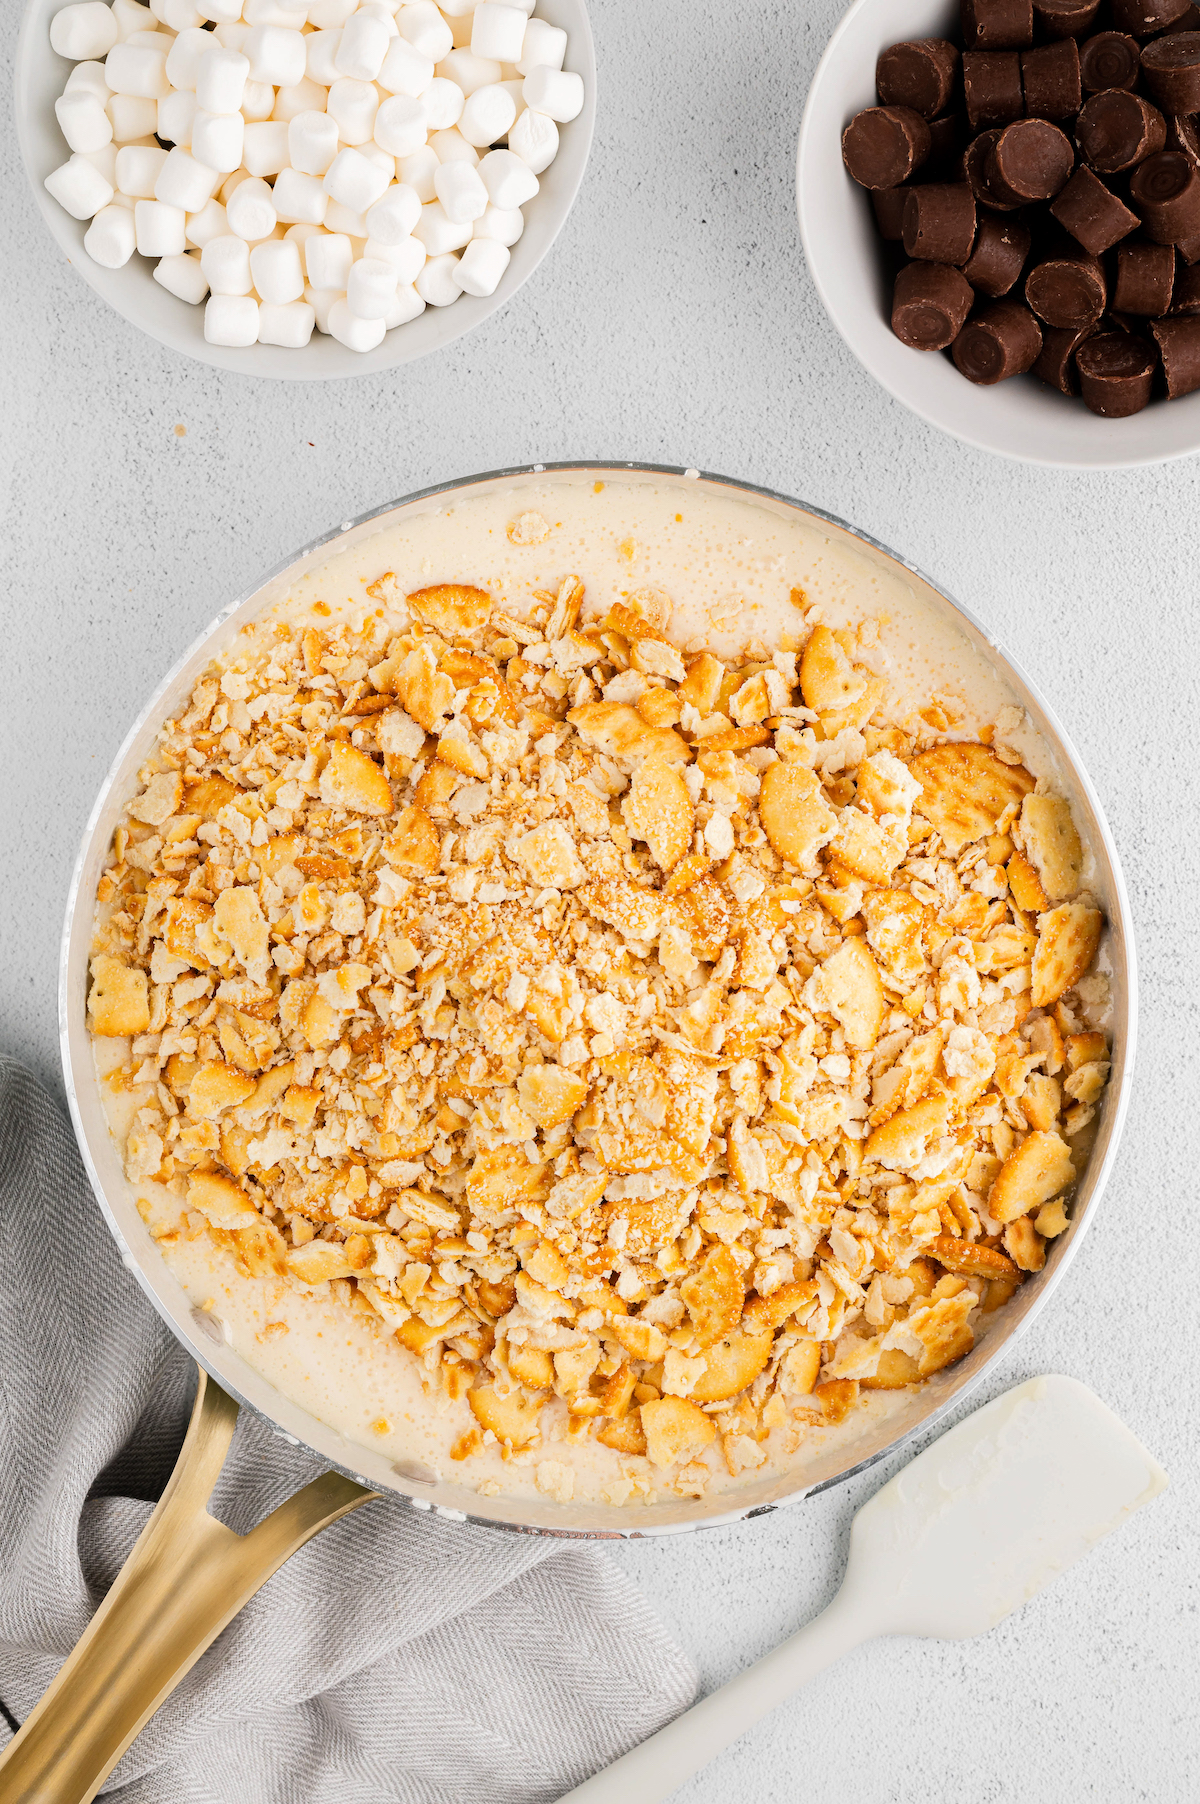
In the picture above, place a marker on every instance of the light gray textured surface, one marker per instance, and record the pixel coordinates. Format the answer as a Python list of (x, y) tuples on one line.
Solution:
[(674, 322)]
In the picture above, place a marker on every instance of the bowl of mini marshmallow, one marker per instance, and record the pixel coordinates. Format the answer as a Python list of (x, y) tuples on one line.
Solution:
[(305, 189)]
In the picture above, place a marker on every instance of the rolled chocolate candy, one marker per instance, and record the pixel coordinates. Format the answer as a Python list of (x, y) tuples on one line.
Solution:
[(1030, 160), (1003, 339), (1165, 190), (939, 222), (882, 146), (996, 24), (1182, 134), (1051, 80), (930, 304), (1092, 213), (1064, 18), (992, 87), (1001, 247), (1185, 297), (919, 75), (1116, 374), (1145, 278), (1171, 70), (1178, 342), (1068, 292), (1117, 129), (1109, 60), (947, 140), (1188, 250), (888, 206), (1145, 18), (1056, 360), (975, 166)]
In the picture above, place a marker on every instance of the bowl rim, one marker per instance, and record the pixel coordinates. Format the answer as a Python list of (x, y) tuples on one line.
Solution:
[(74, 1043), (445, 325)]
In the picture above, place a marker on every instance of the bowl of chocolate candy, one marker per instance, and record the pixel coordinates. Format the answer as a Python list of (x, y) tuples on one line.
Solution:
[(1001, 212)]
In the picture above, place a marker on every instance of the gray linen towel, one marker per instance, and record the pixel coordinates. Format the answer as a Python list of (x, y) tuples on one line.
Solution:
[(396, 1657)]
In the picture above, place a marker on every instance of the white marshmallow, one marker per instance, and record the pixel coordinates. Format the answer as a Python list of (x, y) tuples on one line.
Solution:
[(312, 142), (182, 276), (131, 117), (321, 48), (452, 147), (439, 283), (258, 102), (176, 117), (90, 77), (221, 77), (461, 192), (83, 121), (381, 158), (288, 323), (504, 224), (178, 15), (482, 264), (276, 271), (417, 172), (321, 300), (300, 232), (405, 70), (393, 216), (111, 239), (370, 287), (350, 330), (161, 230), (227, 16), (469, 71), (509, 181), (488, 114), (354, 105), (182, 182), (545, 47), (303, 97), (209, 222), (84, 31), (534, 138), (265, 147), (131, 17), (138, 168), (407, 257), (250, 210), (498, 32), (363, 47), (231, 319), (400, 126), (276, 54), (137, 70), (443, 101), (438, 232), (272, 12), (327, 260), (217, 140), (354, 180), (457, 9), (555, 92), (105, 160), (230, 183), (330, 15), (153, 38), (347, 221), (421, 24), (406, 305), (300, 199), (226, 265)]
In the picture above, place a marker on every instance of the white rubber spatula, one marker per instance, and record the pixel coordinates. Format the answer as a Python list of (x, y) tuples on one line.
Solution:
[(967, 1532)]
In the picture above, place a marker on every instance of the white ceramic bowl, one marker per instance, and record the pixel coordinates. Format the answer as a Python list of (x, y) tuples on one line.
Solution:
[(1021, 418), (38, 80)]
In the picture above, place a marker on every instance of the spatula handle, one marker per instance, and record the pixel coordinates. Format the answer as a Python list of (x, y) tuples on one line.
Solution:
[(655, 1768)]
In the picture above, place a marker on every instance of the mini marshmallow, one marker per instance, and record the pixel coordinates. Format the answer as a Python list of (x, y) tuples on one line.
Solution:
[(276, 271), (321, 48), (182, 276), (370, 287), (417, 172), (226, 265), (300, 233), (406, 305), (438, 232), (381, 158), (321, 300), (182, 182), (272, 12), (444, 101), (258, 102), (230, 183), (405, 70), (327, 260), (503, 224), (228, 17), (131, 17), (393, 216), (439, 283), (312, 142), (289, 323), (161, 230), (421, 24), (276, 54), (452, 147), (231, 319), (347, 221), (152, 39), (131, 117), (217, 140), (90, 77), (400, 125), (481, 266), (354, 181), (138, 169), (350, 330), (138, 70), (210, 222), (488, 113), (221, 77), (84, 31), (457, 9), (330, 15), (250, 210), (300, 199), (178, 15), (461, 192), (469, 71), (265, 147), (176, 117), (354, 105), (302, 97), (555, 92), (364, 45), (111, 239), (545, 47), (407, 258), (534, 138), (83, 121), (498, 32), (509, 181)]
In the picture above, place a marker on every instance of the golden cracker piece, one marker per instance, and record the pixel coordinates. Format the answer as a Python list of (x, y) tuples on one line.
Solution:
[(1052, 845), (969, 1260), (118, 1002), (849, 980), (731, 1365), (550, 1094), (1026, 1245), (353, 781), (714, 1294), (866, 849), (886, 787), (1034, 1172), (944, 1331), (513, 1418), (1068, 940), (701, 686), (415, 845), (795, 816), (549, 857), (620, 732), (965, 789), (895, 933), (675, 1430), (424, 691), (658, 809), (901, 1142), (827, 677), (455, 610), (637, 913), (1025, 885)]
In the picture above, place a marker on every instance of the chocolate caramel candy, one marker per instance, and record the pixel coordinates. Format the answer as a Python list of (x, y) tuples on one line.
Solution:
[(996, 24), (1001, 247), (947, 140), (1178, 342), (1030, 160), (930, 304), (992, 87), (1056, 360), (1145, 18), (1165, 189), (919, 75), (1116, 374), (975, 165), (1188, 250), (1064, 18), (1068, 291), (1117, 129), (1171, 70), (1051, 80), (939, 222), (1109, 60), (1185, 297), (1145, 278), (883, 145), (888, 206), (1092, 213), (1003, 339), (1183, 134)]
